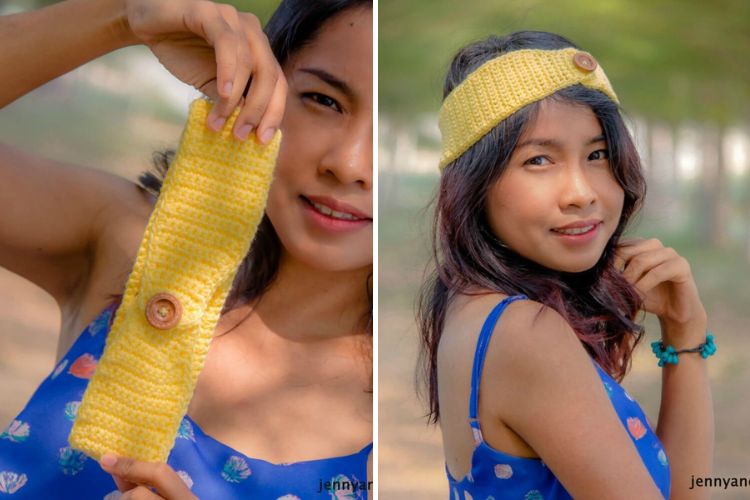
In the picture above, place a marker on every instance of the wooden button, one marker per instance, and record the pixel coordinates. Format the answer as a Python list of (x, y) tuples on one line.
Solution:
[(584, 61), (163, 311)]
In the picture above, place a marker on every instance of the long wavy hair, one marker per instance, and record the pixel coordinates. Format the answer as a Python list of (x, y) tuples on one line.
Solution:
[(468, 258), (293, 25)]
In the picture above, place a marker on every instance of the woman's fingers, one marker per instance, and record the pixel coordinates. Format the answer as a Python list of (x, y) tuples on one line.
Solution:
[(217, 50), (140, 493), (271, 120), (627, 249), (264, 86), (252, 61), (159, 476), (674, 269), (205, 19), (640, 264), (123, 485), (215, 23)]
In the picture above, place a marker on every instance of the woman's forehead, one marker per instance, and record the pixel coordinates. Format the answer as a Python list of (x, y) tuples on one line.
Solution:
[(557, 121), (342, 48)]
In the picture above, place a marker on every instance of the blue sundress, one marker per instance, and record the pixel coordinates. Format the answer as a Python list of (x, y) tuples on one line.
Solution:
[(495, 475), (36, 460)]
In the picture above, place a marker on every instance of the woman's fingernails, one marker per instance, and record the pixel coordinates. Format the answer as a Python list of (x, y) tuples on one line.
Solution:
[(227, 89), (267, 135), (108, 460), (217, 123), (243, 132)]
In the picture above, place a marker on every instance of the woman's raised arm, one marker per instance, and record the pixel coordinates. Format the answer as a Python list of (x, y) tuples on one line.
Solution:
[(43, 44), (53, 213), (210, 46)]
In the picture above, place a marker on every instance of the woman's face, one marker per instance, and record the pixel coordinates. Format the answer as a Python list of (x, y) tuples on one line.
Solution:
[(558, 203), (320, 202)]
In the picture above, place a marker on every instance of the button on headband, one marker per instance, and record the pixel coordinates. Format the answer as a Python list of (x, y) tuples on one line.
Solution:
[(163, 311)]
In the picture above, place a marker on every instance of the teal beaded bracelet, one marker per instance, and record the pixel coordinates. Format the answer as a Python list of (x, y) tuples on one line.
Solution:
[(668, 354)]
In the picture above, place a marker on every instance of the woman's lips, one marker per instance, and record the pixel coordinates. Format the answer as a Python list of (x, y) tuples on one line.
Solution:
[(578, 233), (333, 216)]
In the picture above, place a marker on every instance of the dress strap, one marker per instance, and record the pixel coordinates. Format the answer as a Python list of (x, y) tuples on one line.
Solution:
[(476, 374)]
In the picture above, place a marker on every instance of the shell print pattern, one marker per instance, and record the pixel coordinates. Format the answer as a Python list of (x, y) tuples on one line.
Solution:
[(71, 410), (503, 471), (60, 367), (235, 470), (100, 324), (662, 458), (185, 478), (71, 461), (83, 367), (10, 482), (636, 427), (343, 488), (16, 432), (186, 430)]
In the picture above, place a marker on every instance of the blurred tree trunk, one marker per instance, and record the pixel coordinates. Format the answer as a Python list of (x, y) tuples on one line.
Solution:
[(714, 219)]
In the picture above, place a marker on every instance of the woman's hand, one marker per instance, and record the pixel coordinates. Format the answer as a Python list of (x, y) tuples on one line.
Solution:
[(665, 282), (216, 49), (138, 480)]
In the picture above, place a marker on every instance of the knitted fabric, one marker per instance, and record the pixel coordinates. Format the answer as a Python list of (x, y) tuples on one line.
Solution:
[(502, 86), (205, 218)]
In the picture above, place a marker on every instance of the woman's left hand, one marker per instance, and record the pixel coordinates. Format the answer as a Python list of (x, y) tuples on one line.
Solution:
[(664, 280), (138, 480)]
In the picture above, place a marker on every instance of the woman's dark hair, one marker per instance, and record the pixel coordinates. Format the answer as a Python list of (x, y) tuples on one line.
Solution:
[(599, 304), (294, 24)]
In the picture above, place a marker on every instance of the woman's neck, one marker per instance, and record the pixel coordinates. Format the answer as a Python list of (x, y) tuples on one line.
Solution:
[(310, 303)]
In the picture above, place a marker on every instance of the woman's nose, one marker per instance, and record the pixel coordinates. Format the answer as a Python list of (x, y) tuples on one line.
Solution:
[(350, 157), (577, 190)]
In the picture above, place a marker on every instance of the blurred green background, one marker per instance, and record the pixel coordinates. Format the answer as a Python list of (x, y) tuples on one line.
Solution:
[(112, 114), (680, 70)]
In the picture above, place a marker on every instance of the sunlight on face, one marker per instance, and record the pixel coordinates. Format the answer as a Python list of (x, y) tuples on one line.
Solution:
[(558, 203), (320, 202)]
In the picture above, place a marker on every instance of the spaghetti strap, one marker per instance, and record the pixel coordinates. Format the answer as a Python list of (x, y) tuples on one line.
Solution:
[(479, 354)]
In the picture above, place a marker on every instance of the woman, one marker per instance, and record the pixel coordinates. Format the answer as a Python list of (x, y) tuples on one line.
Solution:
[(295, 335), (528, 323)]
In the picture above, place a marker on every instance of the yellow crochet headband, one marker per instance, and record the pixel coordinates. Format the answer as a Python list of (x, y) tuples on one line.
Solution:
[(502, 86), (200, 230)]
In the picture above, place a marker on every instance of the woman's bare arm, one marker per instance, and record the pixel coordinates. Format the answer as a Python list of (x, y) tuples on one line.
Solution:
[(43, 44), (53, 214), (686, 417), (686, 420)]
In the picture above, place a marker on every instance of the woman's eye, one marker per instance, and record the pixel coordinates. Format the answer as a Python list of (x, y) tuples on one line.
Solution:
[(601, 154), (537, 160), (323, 100)]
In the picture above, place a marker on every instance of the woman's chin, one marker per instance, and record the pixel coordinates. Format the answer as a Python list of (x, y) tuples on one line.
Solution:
[(572, 267), (327, 259)]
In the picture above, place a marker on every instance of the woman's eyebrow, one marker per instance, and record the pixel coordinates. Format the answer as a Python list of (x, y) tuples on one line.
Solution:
[(540, 142), (553, 143), (330, 80)]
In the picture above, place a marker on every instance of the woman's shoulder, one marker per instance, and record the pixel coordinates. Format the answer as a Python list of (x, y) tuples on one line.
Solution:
[(522, 319), (529, 340)]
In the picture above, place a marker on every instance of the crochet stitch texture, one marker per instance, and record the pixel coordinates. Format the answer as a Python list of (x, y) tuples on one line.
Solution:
[(201, 228), (502, 86)]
